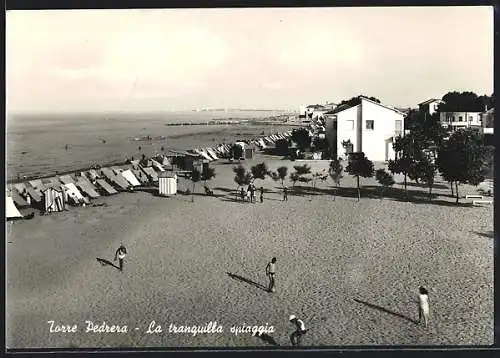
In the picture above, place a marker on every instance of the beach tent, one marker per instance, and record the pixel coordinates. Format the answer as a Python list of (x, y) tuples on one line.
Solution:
[(87, 187), (166, 163), (37, 185), (167, 184), (67, 179), (93, 174), (108, 189), (71, 192), (140, 175), (150, 173), (118, 181), (11, 211), (212, 153), (18, 199), (157, 165), (35, 195), (53, 199), (130, 177), (202, 154)]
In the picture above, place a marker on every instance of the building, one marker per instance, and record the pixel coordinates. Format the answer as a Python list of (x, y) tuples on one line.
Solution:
[(430, 106), (367, 126), (487, 121), (457, 120)]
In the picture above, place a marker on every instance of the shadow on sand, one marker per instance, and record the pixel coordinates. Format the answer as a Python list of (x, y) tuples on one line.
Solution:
[(488, 234), (105, 262), (386, 311), (243, 279), (267, 339)]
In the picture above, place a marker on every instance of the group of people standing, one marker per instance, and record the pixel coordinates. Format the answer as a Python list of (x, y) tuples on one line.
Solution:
[(249, 194)]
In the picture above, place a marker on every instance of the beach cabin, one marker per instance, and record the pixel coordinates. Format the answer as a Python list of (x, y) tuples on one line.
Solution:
[(53, 200), (250, 151), (167, 184), (11, 211)]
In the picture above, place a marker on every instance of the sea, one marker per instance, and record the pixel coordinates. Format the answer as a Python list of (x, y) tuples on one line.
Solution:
[(47, 144)]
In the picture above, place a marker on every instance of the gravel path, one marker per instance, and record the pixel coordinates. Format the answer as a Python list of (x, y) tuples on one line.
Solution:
[(349, 269)]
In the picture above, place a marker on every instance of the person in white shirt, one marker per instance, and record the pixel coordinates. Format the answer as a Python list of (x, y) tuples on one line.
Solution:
[(423, 305), (300, 330), (120, 254), (270, 271)]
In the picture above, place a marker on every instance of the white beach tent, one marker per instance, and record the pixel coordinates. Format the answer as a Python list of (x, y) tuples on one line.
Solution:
[(157, 165), (11, 211), (131, 178), (167, 184), (72, 192)]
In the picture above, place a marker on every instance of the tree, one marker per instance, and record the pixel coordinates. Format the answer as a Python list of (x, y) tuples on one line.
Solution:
[(359, 166), (280, 174), (294, 177), (426, 172), (236, 151), (242, 177), (207, 174), (385, 179), (320, 143), (302, 138), (319, 176), (335, 172), (462, 158), (259, 171), (461, 102), (282, 147), (405, 152), (354, 101), (300, 171), (195, 178)]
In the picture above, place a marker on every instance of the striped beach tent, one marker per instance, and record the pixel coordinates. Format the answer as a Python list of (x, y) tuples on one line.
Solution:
[(212, 153), (53, 199)]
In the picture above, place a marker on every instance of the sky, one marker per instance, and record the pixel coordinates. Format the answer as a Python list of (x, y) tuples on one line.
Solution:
[(140, 60)]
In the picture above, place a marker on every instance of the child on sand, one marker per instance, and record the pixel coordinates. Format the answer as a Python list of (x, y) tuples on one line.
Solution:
[(270, 271), (285, 194), (423, 305), (261, 194), (121, 253)]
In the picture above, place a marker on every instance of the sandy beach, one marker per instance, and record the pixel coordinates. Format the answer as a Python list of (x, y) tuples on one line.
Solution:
[(350, 270)]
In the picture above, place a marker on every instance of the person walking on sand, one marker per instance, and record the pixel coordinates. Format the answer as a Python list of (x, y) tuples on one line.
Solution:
[(285, 194), (120, 254), (251, 189), (242, 194), (300, 330), (270, 271), (423, 305), (261, 194)]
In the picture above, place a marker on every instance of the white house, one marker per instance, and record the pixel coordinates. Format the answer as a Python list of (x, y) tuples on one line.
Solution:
[(457, 120), (430, 106), (369, 126)]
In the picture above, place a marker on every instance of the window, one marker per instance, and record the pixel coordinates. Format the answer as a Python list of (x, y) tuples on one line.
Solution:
[(470, 118), (460, 118), (370, 124), (399, 127)]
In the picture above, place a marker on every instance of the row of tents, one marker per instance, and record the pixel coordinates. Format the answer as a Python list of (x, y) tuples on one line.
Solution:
[(248, 146), (54, 194)]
